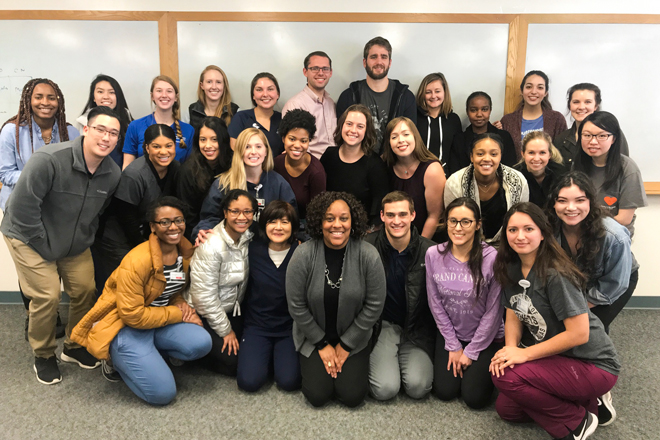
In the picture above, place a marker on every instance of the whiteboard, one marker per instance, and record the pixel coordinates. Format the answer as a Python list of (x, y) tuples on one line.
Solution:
[(623, 60), (472, 56), (72, 53)]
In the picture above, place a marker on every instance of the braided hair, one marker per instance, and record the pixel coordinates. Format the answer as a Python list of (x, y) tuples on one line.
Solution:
[(25, 113), (176, 108)]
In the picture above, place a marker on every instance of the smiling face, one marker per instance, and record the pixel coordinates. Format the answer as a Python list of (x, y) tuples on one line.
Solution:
[(402, 140), (208, 144), (255, 152), (278, 230), (536, 155), (460, 235), (236, 225), (583, 103), (396, 217), (265, 94), (319, 79), (354, 129), (296, 143), (523, 235), (478, 111), (161, 152), (596, 149), (213, 85), (534, 90), (100, 145), (104, 94), (434, 94), (486, 156), (44, 102), (163, 95), (572, 205), (378, 62), (337, 225), (173, 233)]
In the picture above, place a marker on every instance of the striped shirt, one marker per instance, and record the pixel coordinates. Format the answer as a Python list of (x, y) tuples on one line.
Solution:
[(173, 285)]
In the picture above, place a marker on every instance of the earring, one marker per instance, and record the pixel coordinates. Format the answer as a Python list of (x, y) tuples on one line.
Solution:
[(352, 231)]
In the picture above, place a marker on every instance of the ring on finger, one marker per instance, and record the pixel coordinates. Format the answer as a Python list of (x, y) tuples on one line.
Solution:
[(329, 364)]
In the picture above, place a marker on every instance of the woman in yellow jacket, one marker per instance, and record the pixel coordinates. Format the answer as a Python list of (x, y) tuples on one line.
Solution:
[(141, 316)]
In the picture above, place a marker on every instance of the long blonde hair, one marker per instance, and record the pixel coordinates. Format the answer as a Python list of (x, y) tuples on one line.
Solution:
[(225, 100), (176, 107), (235, 177)]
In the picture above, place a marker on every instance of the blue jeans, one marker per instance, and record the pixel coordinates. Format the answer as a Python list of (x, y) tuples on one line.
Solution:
[(138, 357)]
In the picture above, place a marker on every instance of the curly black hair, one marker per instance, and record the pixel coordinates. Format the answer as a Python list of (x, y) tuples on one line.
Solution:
[(319, 205), (166, 201), (298, 118)]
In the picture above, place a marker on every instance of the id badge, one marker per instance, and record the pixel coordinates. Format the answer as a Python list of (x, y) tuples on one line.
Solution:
[(177, 276), (261, 203)]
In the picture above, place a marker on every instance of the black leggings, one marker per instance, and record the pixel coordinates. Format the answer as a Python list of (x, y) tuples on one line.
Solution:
[(216, 360), (476, 386), (607, 313)]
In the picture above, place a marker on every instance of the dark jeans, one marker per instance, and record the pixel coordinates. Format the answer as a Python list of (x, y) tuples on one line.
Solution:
[(476, 387), (107, 256), (217, 360), (607, 313), (350, 387)]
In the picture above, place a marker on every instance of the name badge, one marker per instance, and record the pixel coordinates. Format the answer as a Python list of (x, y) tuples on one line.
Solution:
[(177, 276), (261, 203)]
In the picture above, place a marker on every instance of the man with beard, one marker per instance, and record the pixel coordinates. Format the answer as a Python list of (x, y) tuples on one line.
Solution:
[(386, 98)]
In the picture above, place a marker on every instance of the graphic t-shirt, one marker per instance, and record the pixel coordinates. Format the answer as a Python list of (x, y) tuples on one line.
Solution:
[(529, 125), (379, 106)]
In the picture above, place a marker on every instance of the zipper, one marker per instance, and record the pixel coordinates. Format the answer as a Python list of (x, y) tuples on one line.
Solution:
[(75, 226)]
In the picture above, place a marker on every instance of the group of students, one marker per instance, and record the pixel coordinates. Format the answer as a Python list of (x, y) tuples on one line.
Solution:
[(232, 242)]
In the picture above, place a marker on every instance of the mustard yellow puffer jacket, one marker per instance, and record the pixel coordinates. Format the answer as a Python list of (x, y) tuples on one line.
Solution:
[(137, 281)]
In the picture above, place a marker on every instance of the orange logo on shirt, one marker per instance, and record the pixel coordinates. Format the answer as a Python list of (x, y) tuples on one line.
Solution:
[(610, 200)]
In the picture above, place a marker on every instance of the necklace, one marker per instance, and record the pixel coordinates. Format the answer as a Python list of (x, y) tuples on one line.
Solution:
[(408, 169), (486, 187), (332, 285)]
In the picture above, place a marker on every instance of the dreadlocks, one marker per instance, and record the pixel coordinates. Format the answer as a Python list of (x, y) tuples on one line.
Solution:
[(25, 114)]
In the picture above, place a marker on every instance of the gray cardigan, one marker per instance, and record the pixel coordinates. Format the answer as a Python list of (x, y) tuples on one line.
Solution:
[(361, 295)]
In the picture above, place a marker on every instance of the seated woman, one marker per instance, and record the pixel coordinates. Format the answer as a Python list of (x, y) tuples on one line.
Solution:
[(495, 187), (303, 171), (267, 347), (437, 123), (335, 288), (352, 166), (218, 278), (583, 100), (141, 316), (616, 177), (265, 94), (105, 90), (556, 381), (416, 171), (464, 298), (211, 156), (213, 98), (534, 111), (478, 107), (251, 170), (541, 165)]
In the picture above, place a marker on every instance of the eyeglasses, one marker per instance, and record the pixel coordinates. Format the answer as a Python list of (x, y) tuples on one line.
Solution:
[(167, 222), (315, 69), (237, 212), (602, 137), (465, 223), (100, 129)]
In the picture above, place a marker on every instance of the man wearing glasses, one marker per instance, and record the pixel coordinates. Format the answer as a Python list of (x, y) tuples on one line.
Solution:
[(313, 98), (49, 224), (402, 354)]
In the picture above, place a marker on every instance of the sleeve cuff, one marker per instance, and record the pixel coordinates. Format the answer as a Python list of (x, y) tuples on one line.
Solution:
[(345, 347)]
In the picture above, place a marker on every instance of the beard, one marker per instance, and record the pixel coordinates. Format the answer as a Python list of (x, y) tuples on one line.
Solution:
[(372, 75)]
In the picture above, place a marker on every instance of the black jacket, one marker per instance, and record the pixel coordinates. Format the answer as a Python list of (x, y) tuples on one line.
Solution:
[(197, 114), (452, 152), (419, 327), (538, 193)]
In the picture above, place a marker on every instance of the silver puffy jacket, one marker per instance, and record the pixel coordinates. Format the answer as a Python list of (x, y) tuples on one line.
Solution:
[(218, 278)]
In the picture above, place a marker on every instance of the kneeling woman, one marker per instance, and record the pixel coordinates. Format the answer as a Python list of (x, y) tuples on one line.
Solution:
[(218, 279), (557, 381), (267, 343), (335, 287), (464, 298), (142, 316)]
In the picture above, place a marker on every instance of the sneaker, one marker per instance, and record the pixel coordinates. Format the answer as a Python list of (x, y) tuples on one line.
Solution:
[(60, 328), (47, 371), (584, 429), (81, 357), (606, 412), (109, 372)]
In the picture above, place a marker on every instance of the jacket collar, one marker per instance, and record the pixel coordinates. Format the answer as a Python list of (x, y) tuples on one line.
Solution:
[(245, 237), (79, 163), (184, 246)]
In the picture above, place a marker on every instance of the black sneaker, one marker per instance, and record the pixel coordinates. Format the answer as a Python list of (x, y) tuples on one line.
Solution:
[(47, 371), (584, 429), (109, 372), (60, 328), (81, 357), (606, 412)]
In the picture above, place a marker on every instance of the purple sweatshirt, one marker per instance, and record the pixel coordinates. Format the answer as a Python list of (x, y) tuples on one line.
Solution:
[(450, 288)]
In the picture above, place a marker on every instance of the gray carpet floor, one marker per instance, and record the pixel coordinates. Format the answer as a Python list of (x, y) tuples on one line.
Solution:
[(86, 406)]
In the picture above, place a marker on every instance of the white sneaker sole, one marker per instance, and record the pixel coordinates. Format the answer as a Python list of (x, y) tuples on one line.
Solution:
[(607, 403), (71, 360), (54, 381)]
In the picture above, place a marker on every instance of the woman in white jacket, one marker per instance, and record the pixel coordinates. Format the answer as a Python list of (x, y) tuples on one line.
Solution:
[(218, 279)]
